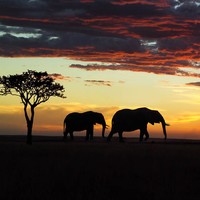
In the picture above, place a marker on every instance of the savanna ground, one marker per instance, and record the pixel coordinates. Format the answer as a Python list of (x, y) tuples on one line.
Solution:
[(97, 170)]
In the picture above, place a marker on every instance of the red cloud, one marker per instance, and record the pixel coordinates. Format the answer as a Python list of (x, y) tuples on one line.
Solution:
[(149, 69), (105, 31)]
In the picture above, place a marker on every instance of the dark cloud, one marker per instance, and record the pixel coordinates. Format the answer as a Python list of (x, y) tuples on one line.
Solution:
[(98, 82), (194, 84), (174, 44), (187, 8), (149, 69), (161, 37), (102, 83)]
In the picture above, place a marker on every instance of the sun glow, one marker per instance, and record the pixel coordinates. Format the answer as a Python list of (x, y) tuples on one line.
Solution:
[(176, 101)]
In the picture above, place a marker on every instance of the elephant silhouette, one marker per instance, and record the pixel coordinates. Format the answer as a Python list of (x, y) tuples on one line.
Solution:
[(130, 120), (83, 121)]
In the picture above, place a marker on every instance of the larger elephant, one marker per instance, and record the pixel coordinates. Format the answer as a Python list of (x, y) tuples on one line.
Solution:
[(130, 120), (83, 121)]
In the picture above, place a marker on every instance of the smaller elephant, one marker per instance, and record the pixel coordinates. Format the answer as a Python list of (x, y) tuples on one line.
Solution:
[(83, 121), (130, 120)]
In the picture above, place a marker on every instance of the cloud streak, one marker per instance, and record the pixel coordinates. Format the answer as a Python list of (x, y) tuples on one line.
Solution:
[(160, 37), (56, 76), (136, 68), (194, 84), (98, 83)]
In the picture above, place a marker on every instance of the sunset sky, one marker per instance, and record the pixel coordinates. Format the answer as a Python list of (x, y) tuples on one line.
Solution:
[(108, 55)]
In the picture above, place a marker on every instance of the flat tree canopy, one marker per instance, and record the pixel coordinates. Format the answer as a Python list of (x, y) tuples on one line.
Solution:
[(33, 88)]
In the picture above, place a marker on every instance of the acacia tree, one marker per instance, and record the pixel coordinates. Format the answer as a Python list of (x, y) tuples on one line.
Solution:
[(33, 88)]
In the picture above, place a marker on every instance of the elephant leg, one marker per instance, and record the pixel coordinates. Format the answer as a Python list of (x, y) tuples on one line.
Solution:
[(141, 135), (120, 136), (87, 134), (91, 132), (66, 132), (143, 131), (110, 136), (146, 135), (65, 135), (71, 135)]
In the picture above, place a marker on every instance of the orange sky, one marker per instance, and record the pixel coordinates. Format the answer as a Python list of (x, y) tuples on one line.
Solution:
[(89, 90)]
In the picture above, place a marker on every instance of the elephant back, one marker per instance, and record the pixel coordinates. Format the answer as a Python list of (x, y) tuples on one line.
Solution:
[(129, 120), (77, 121)]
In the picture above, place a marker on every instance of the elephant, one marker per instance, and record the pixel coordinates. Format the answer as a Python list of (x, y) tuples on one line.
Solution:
[(130, 120), (83, 121)]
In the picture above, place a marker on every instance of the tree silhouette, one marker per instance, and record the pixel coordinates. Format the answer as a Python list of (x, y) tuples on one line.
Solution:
[(33, 88)]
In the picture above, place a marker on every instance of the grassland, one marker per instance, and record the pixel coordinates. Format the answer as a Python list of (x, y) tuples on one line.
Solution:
[(97, 170)]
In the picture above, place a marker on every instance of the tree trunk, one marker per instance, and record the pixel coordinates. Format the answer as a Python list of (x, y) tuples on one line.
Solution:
[(29, 133), (29, 122)]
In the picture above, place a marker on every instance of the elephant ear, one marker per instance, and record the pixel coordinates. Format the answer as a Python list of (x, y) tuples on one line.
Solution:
[(93, 121), (155, 117), (151, 122)]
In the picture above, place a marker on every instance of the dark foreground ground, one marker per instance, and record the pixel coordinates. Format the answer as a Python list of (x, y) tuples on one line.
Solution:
[(97, 170)]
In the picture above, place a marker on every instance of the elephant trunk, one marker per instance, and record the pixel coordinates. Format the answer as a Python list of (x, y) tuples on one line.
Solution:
[(101, 120), (103, 130), (164, 129), (103, 127)]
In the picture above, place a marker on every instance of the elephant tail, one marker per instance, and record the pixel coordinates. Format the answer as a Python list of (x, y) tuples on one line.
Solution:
[(64, 127)]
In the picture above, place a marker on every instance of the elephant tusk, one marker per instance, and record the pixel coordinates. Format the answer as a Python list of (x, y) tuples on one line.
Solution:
[(107, 126), (167, 124)]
